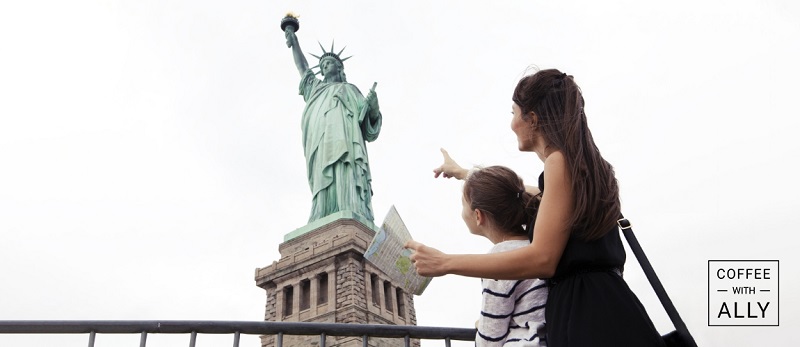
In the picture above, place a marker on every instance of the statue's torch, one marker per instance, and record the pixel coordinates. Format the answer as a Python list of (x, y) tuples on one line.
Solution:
[(290, 25)]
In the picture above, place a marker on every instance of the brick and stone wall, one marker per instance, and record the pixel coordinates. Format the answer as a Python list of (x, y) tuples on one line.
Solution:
[(323, 277)]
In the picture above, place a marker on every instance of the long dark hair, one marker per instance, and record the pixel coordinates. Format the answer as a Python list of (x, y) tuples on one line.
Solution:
[(500, 193), (557, 104)]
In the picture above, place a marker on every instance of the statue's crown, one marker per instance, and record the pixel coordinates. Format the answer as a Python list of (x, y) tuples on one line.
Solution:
[(326, 54), (330, 54)]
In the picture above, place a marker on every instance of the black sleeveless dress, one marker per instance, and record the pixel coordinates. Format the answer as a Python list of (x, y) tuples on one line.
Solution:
[(589, 303)]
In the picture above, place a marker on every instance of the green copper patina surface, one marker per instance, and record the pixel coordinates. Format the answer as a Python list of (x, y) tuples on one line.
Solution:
[(319, 223), (336, 123)]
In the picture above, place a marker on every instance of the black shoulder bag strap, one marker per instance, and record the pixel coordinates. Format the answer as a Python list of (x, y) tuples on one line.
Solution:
[(681, 335)]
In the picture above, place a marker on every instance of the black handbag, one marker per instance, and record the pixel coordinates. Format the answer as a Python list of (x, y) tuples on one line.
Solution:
[(680, 337)]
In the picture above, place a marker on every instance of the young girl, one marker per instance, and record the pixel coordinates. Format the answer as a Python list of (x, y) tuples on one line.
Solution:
[(496, 206), (576, 243)]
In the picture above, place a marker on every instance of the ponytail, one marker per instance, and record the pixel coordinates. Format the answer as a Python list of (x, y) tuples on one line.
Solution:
[(500, 193)]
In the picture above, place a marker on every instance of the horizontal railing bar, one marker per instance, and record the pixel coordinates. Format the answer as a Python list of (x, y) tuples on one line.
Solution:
[(230, 327)]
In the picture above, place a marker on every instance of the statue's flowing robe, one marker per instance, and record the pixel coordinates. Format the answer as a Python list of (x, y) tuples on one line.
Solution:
[(336, 123)]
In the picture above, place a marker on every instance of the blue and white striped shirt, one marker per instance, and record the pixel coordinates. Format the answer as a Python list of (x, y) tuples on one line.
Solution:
[(512, 313)]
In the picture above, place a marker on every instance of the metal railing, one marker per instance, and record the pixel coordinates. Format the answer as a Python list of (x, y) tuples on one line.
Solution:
[(279, 329)]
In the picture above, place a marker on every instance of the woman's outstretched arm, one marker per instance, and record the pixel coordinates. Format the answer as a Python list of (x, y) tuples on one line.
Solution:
[(538, 260)]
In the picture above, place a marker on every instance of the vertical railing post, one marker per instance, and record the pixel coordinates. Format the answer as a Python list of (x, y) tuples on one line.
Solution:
[(143, 339), (366, 341), (280, 340), (236, 339), (91, 338), (446, 342), (407, 341), (322, 340), (193, 339)]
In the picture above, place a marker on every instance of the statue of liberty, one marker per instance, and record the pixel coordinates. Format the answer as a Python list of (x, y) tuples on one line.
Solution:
[(336, 122)]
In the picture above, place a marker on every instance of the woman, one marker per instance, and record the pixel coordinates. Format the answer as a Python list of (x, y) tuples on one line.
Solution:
[(575, 241)]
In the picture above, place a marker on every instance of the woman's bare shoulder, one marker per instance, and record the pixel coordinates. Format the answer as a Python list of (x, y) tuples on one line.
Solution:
[(555, 161)]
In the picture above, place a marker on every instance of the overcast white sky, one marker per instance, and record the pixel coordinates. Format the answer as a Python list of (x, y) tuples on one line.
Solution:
[(150, 154)]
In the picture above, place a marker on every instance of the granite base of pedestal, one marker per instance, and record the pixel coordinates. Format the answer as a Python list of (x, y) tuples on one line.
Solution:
[(322, 276)]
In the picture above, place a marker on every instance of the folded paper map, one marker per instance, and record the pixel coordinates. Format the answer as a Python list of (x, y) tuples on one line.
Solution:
[(386, 252)]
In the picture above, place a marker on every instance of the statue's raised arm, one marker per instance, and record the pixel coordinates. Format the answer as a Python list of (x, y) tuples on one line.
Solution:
[(290, 25)]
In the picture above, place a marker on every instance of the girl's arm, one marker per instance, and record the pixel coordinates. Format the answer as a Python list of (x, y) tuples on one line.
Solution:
[(496, 310), (538, 260), (450, 168)]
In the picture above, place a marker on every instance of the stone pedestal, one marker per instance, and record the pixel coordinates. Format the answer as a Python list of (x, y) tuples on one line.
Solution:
[(322, 277)]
